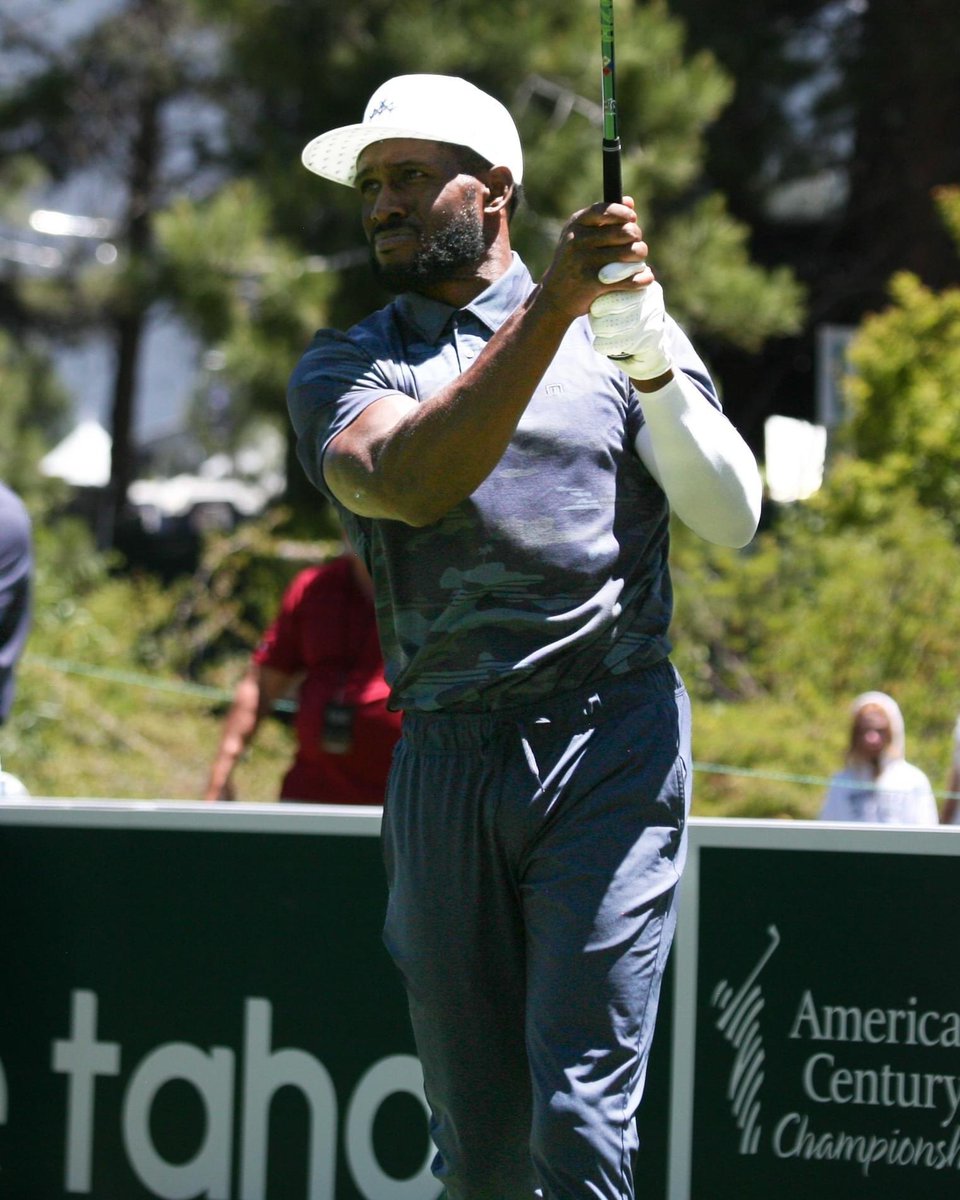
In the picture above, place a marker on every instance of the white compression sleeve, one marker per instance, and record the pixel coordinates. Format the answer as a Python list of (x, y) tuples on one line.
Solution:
[(704, 466)]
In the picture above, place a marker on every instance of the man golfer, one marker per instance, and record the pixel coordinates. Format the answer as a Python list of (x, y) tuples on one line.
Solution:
[(509, 487)]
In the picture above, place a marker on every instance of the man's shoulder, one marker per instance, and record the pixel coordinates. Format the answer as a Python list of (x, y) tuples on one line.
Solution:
[(335, 360), (372, 335)]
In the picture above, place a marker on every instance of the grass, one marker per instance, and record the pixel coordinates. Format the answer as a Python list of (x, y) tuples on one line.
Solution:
[(73, 736)]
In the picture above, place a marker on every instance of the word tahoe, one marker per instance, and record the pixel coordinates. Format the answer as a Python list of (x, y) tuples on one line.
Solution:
[(224, 1087)]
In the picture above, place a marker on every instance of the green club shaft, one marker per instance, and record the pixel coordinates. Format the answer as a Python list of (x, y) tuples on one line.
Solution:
[(612, 183)]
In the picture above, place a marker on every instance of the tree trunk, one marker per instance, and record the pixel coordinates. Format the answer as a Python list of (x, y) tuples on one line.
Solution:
[(131, 318)]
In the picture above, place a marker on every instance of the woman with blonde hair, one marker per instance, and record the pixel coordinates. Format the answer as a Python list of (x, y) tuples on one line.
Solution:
[(877, 784)]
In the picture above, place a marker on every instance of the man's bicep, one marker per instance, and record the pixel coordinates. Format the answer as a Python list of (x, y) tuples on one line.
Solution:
[(351, 458)]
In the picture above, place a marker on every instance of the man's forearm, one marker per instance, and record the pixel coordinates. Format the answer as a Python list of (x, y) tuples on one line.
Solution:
[(702, 463), (238, 729)]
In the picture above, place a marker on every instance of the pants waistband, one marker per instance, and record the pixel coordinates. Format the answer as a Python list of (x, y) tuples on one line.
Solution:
[(566, 709)]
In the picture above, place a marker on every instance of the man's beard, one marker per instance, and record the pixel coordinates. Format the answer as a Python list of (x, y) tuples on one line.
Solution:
[(459, 245)]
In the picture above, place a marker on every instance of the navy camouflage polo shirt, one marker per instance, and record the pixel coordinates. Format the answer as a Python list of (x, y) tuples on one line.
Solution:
[(553, 573)]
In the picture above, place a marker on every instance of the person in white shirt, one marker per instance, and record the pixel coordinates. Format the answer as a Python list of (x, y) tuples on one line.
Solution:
[(877, 785)]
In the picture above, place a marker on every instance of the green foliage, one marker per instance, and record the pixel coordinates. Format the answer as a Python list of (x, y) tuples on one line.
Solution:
[(948, 204), (220, 259), (903, 400), (765, 758), (244, 291), (775, 640), (857, 589), (714, 288), (20, 175), (124, 684), (32, 415), (220, 613)]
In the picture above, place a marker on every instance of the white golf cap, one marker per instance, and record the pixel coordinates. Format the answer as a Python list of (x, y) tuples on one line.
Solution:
[(432, 108)]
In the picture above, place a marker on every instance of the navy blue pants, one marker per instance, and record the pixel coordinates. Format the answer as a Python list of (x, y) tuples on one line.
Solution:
[(533, 859)]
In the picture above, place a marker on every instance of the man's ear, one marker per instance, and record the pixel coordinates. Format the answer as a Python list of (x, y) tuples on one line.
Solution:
[(499, 189)]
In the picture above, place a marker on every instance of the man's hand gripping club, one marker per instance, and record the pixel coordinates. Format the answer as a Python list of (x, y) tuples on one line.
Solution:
[(706, 470), (630, 326)]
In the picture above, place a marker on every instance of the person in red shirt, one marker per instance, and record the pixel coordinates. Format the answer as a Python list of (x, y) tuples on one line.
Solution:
[(323, 649)]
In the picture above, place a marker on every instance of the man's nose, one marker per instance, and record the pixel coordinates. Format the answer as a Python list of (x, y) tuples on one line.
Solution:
[(386, 205)]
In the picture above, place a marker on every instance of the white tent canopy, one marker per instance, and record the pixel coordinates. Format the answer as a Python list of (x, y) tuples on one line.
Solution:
[(246, 482), (82, 459)]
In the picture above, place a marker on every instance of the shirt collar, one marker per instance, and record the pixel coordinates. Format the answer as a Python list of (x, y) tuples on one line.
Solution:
[(491, 307)]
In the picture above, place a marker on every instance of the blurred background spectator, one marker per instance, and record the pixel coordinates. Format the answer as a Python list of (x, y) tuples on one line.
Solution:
[(877, 784), (322, 649)]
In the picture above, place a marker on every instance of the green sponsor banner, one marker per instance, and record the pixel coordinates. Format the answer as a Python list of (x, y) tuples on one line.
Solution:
[(821, 1053), (199, 1004), (650, 1167), (196, 1002)]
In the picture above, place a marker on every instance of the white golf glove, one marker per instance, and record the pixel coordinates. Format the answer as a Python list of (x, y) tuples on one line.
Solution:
[(631, 326)]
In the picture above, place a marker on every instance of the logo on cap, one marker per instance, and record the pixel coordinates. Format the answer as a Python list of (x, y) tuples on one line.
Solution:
[(382, 107)]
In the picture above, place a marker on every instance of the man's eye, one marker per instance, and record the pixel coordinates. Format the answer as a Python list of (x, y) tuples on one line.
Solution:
[(367, 187)]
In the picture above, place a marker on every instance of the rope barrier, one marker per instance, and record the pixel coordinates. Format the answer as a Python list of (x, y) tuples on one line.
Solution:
[(129, 678), (752, 773)]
